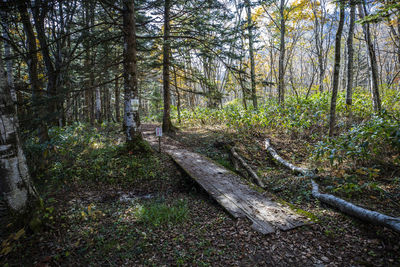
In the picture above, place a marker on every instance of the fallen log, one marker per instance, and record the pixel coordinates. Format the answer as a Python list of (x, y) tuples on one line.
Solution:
[(288, 165), (356, 211), (249, 170), (342, 205)]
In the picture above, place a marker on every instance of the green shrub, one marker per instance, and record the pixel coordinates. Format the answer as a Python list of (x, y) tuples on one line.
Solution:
[(372, 139)]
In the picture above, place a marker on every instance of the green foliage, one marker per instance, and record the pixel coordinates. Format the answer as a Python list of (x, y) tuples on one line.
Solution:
[(370, 139), (370, 136), (298, 115), (83, 153), (160, 213)]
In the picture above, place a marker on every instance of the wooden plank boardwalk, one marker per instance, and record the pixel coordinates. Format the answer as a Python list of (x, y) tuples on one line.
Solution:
[(229, 191)]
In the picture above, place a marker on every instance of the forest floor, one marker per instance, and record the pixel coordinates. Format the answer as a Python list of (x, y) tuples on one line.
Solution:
[(104, 205)]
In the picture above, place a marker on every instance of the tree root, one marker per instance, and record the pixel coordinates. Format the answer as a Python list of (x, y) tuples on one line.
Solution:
[(344, 206)]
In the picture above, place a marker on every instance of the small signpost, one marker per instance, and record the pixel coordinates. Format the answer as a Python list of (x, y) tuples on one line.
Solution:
[(159, 135), (135, 104)]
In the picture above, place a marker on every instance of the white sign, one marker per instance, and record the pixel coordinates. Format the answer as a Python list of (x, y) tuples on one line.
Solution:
[(135, 104), (159, 131)]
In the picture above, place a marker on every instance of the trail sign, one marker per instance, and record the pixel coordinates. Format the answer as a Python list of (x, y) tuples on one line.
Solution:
[(159, 131), (135, 104)]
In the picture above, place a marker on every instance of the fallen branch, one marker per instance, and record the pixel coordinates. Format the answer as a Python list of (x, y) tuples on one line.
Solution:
[(344, 206), (250, 171), (356, 211), (288, 165)]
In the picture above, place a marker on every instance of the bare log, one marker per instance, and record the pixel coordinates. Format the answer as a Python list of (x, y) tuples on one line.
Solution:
[(288, 165), (356, 211), (344, 206), (250, 171)]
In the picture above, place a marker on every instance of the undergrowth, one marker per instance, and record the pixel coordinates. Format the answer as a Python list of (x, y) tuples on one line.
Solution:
[(82, 153), (362, 137)]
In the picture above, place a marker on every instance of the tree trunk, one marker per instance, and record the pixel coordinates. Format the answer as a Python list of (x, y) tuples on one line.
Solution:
[(178, 97), (15, 183), (8, 55), (281, 81), (117, 113), (376, 100), (88, 103), (167, 124), (335, 82), (39, 13), (109, 116), (131, 114), (350, 55), (251, 54), (98, 105), (32, 62)]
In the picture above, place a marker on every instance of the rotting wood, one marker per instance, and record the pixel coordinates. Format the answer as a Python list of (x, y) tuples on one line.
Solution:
[(343, 205), (230, 191), (249, 170)]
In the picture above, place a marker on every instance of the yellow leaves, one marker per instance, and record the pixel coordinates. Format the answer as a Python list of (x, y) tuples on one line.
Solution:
[(91, 213), (361, 171), (19, 234), (90, 208), (371, 172), (6, 250), (256, 15), (8, 244)]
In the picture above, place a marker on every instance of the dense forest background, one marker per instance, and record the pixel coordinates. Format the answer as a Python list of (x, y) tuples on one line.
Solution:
[(70, 55), (81, 78)]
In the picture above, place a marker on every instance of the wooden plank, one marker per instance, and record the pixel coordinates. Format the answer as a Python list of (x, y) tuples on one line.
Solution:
[(230, 191)]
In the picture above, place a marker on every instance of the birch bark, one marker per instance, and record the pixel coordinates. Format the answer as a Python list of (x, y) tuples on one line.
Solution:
[(15, 183)]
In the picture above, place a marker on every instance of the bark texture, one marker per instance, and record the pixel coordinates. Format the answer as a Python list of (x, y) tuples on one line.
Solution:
[(15, 184), (131, 116), (376, 100), (167, 124), (117, 113)]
